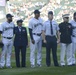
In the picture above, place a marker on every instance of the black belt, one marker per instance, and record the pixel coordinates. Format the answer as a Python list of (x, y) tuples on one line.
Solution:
[(73, 35), (8, 37), (37, 34)]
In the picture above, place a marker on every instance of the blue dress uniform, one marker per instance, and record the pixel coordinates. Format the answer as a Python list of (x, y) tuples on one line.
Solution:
[(20, 44), (50, 28)]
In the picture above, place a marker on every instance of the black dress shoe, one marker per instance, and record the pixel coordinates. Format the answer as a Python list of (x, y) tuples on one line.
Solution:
[(18, 66), (62, 65), (23, 67), (56, 65), (48, 65)]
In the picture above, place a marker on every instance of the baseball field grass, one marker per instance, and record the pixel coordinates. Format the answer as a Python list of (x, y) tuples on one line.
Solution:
[(67, 70)]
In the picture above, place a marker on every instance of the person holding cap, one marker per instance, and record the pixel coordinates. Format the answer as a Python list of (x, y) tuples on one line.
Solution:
[(50, 31), (20, 43), (66, 41), (35, 31), (6, 29), (73, 22)]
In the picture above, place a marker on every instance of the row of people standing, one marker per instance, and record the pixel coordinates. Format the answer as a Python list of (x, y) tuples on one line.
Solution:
[(9, 32), (66, 37), (52, 34)]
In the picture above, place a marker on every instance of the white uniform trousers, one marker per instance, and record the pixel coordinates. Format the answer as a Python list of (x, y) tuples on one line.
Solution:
[(73, 49), (73, 52), (6, 52), (66, 49), (33, 47)]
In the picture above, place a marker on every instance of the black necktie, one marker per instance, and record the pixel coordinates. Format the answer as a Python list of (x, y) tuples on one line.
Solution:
[(51, 28)]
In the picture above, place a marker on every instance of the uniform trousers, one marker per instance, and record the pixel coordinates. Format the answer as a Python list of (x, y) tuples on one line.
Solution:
[(6, 52), (73, 50), (21, 49), (66, 49), (51, 44), (33, 47)]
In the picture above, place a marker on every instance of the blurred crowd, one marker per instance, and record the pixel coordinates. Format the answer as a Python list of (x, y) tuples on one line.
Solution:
[(25, 9)]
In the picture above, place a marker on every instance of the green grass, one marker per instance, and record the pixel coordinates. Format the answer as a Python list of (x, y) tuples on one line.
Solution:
[(67, 70), (40, 71)]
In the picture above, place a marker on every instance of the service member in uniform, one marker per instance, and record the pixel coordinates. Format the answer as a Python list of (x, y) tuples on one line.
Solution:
[(65, 40), (50, 30), (35, 30), (73, 22), (20, 44), (6, 29)]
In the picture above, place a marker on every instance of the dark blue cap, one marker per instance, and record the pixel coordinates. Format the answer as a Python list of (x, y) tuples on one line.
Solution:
[(74, 13), (19, 21), (50, 12), (36, 12), (9, 15)]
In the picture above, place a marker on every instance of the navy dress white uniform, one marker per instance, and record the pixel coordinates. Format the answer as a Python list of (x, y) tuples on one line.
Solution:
[(73, 22), (7, 38), (36, 26), (50, 29), (20, 44), (66, 41)]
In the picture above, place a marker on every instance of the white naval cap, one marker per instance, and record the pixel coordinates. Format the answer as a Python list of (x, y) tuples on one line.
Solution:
[(65, 15)]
